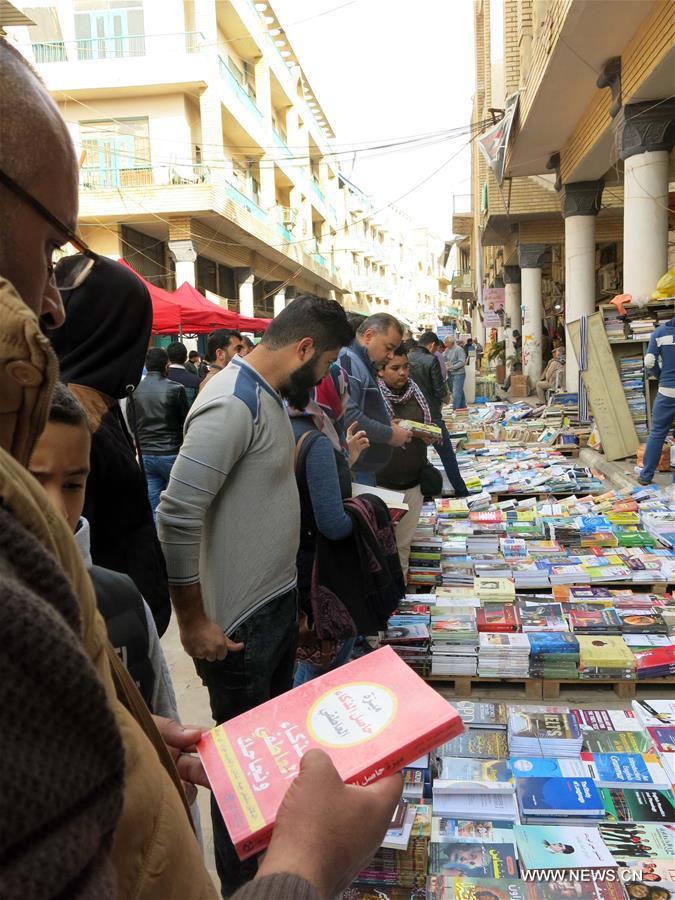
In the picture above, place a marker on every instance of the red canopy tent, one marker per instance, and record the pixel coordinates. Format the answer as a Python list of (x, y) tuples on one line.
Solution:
[(211, 312), (230, 319), (247, 323), (187, 311)]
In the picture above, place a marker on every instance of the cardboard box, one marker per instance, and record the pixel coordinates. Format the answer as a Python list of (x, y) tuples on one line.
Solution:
[(519, 388)]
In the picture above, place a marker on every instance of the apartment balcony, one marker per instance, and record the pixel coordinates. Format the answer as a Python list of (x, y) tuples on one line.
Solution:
[(241, 91), (322, 261), (316, 190), (90, 64), (112, 179), (281, 144)]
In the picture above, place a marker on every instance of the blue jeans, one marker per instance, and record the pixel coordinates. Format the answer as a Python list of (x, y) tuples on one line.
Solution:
[(663, 416), (456, 385), (449, 460), (241, 681), (306, 671), (157, 473)]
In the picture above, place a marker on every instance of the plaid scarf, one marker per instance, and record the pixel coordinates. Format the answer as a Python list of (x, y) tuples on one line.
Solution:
[(391, 399)]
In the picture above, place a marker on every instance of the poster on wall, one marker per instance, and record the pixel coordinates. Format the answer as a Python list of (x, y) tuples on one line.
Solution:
[(493, 307), (493, 142)]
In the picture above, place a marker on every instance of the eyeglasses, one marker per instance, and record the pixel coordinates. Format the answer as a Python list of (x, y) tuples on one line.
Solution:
[(67, 273)]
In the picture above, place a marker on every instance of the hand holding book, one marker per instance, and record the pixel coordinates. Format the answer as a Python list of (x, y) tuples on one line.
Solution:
[(326, 831)]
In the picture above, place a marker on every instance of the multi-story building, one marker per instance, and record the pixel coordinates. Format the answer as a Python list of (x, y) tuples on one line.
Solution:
[(572, 223), (205, 157), (204, 151)]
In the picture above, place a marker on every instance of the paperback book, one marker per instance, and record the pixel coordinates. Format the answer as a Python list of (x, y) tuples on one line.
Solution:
[(372, 716)]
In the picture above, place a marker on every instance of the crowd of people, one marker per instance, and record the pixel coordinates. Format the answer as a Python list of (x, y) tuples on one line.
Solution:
[(127, 481)]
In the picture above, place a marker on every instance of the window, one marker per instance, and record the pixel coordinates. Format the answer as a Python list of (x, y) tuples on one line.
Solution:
[(116, 154), (147, 256), (108, 29)]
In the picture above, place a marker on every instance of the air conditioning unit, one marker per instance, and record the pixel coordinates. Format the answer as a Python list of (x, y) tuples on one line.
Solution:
[(289, 217)]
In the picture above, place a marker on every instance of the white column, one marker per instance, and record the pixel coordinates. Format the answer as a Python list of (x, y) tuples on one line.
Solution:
[(246, 295), (531, 258), (580, 204), (512, 308), (579, 284), (645, 222), (646, 137), (279, 302), (185, 256)]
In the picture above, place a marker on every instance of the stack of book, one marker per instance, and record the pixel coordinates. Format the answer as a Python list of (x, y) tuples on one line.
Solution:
[(541, 733), (632, 374), (403, 857), (454, 641), (605, 656), (503, 655), (554, 655)]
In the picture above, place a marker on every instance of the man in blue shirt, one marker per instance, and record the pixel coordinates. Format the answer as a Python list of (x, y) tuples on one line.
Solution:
[(660, 358), (376, 340)]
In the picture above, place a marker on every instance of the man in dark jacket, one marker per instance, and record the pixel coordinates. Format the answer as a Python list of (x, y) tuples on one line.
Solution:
[(377, 337), (425, 371), (177, 371), (161, 408)]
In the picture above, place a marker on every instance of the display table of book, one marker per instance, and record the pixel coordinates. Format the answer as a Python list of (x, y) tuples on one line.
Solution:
[(542, 593), (536, 803)]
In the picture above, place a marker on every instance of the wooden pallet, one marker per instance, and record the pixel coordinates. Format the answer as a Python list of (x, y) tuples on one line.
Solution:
[(626, 690), (464, 685)]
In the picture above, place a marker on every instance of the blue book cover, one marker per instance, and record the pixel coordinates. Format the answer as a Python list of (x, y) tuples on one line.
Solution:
[(628, 769), (543, 767), (552, 642), (550, 796)]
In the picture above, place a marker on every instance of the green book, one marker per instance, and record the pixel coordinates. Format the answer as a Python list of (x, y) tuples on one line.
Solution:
[(616, 742)]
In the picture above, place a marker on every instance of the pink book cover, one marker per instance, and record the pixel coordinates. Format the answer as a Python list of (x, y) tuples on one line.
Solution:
[(372, 716)]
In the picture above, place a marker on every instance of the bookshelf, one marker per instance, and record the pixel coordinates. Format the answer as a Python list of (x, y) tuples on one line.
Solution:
[(628, 337)]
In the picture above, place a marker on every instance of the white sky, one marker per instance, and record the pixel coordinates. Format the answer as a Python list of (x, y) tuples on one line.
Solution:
[(385, 69)]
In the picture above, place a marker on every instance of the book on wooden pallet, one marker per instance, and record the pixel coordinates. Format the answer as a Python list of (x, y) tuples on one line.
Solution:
[(372, 716), (567, 848), (655, 663), (480, 714), (638, 805), (616, 742), (459, 775), (478, 860), (544, 734), (547, 799), (469, 830), (444, 887), (617, 770)]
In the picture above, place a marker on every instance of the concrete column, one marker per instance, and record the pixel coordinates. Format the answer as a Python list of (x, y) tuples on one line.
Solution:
[(245, 279), (646, 136), (531, 259), (512, 307), (580, 204), (184, 254), (279, 301)]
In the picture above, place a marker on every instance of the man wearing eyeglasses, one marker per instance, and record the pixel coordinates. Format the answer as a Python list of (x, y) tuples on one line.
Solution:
[(91, 791)]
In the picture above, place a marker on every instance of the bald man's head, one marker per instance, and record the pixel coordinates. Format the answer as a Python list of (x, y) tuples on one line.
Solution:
[(37, 153)]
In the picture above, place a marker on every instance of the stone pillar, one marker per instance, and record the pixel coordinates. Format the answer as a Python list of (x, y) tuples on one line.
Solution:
[(580, 204), (184, 254), (531, 259), (245, 279), (279, 301), (646, 136), (512, 307)]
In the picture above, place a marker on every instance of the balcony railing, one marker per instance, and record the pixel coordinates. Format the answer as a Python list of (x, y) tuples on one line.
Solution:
[(322, 261), (242, 199), (116, 47), (281, 143), (101, 179), (227, 75), (316, 190)]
